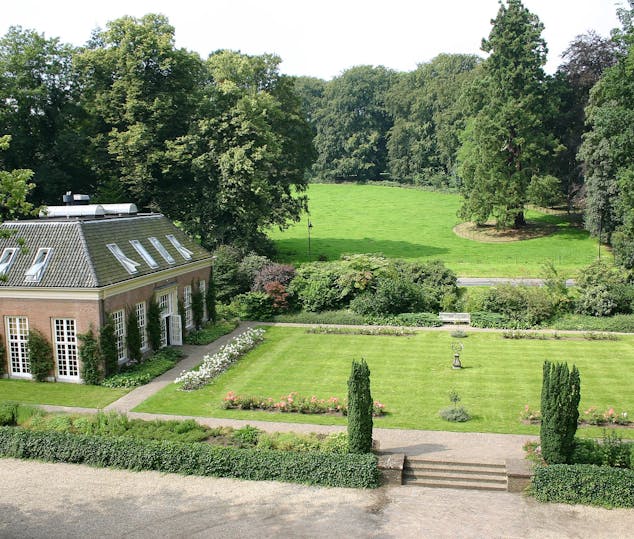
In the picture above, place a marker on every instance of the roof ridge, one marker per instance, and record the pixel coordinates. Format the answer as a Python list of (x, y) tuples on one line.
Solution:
[(84, 244)]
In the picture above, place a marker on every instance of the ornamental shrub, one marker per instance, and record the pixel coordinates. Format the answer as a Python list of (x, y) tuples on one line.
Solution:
[(133, 337), (360, 407), (154, 324), (316, 287), (250, 266), (228, 278), (604, 290), (560, 412), (8, 413), (392, 296), (198, 306), (90, 357), (253, 306), (528, 305), (108, 346), (273, 273), (210, 298), (40, 356)]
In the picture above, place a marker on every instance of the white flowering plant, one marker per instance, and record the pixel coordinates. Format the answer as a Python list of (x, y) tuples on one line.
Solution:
[(215, 364)]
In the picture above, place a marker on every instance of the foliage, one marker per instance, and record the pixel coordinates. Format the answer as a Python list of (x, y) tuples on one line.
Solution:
[(273, 273), (621, 322), (593, 416), (360, 407), (154, 324), (483, 319), (289, 441), (603, 290), (214, 365), (40, 356), (198, 306), (328, 469), (210, 332), (529, 305), (544, 191), (560, 397), (8, 414), (139, 374), (391, 296), (336, 330), (133, 337), (455, 413), (584, 484), (343, 317), (253, 306), (250, 266), (505, 145), (3, 357), (246, 436), (228, 279), (108, 346), (90, 357), (210, 299), (316, 287)]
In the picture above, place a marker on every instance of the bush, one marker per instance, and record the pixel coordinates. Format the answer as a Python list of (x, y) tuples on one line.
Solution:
[(108, 347), (154, 324), (90, 357), (249, 268), (8, 414), (40, 356), (143, 373), (316, 287), (481, 319), (229, 280), (273, 273), (418, 319), (198, 306), (360, 407), (3, 357), (211, 332), (254, 306), (133, 337), (529, 305), (623, 323), (604, 290), (455, 414), (319, 468), (585, 484), (342, 317), (391, 296)]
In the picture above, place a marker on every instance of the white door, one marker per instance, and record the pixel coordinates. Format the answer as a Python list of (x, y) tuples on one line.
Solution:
[(66, 349), (176, 330), (18, 345)]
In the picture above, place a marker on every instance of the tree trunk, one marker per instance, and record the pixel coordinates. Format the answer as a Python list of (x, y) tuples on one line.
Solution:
[(520, 221)]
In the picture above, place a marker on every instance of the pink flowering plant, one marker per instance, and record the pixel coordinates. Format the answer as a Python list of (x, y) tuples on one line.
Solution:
[(594, 416), (530, 415), (293, 403)]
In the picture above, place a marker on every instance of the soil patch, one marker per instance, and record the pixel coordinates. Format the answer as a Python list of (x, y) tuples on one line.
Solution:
[(489, 233)]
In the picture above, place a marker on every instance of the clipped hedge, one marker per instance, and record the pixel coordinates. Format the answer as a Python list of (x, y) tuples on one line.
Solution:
[(623, 323), (317, 468), (584, 484)]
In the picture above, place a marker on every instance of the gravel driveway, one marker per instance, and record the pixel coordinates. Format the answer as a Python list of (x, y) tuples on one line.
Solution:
[(43, 500)]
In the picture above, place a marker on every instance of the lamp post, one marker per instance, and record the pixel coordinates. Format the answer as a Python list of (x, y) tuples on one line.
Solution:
[(310, 225)]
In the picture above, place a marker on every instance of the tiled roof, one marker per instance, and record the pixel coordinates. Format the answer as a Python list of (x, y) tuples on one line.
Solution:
[(80, 257)]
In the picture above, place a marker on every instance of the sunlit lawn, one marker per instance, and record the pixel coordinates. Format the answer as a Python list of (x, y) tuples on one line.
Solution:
[(60, 394), (418, 225), (412, 376)]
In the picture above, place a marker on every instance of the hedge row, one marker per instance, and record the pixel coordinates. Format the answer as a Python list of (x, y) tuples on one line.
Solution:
[(328, 469), (584, 484)]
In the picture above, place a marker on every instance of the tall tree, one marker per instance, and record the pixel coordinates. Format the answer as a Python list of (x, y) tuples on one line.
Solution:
[(352, 126), (38, 109), (607, 152), (505, 145)]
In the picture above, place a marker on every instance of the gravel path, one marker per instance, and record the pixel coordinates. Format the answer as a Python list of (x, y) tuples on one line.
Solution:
[(44, 500)]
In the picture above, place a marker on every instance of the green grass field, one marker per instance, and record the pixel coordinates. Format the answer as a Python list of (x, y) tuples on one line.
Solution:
[(412, 376), (60, 394), (417, 225)]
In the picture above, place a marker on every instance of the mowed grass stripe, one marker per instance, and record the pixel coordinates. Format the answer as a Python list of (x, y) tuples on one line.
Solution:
[(418, 225), (412, 376)]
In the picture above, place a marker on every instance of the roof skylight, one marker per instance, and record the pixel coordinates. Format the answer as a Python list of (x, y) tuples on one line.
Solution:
[(185, 253), (129, 264), (7, 258), (162, 250), (35, 272), (139, 248)]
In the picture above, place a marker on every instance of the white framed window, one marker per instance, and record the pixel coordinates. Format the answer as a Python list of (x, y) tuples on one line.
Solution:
[(187, 305), (165, 305), (184, 252), (139, 248), (202, 288), (66, 348), (118, 318), (18, 346), (7, 258), (129, 264), (141, 320), (162, 250), (35, 272)]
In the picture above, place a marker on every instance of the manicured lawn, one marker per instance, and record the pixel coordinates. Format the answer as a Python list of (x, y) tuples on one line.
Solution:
[(415, 224), (59, 394), (412, 376)]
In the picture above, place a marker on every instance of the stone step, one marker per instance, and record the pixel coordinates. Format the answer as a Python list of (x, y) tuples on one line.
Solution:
[(463, 485), (451, 475), (461, 475), (467, 468)]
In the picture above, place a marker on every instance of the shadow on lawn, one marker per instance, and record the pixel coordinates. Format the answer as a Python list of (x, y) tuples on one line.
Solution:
[(333, 248)]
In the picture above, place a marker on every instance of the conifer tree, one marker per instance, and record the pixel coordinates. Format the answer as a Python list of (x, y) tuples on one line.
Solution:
[(108, 346), (359, 409), (133, 337)]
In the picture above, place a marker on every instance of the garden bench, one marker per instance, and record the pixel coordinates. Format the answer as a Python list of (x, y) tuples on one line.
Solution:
[(455, 318)]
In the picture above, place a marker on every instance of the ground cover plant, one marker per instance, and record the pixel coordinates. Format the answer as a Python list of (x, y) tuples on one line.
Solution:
[(210, 332), (139, 374), (28, 392), (412, 377), (416, 224)]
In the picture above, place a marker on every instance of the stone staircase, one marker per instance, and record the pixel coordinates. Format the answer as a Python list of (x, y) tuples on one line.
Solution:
[(460, 475)]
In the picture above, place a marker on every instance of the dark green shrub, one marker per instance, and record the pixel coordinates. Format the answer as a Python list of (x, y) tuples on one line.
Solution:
[(530, 305), (198, 306), (139, 374), (603, 290), (210, 332), (229, 280), (40, 356), (560, 397), (342, 317), (482, 319), (316, 287), (360, 407), (154, 324), (311, 467), (8, 414), (210, 298), (90, 357), (254, 306), (391, 296), (247, 436), (108, 346), (133, 337), (181, 312), (3, 357), (584, 484), (619, 322), (250, 266), (273, 273), (418, 319)]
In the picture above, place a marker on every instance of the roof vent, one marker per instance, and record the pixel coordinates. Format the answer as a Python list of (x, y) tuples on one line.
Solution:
[(91, 210), (75, 200), (120, 209)]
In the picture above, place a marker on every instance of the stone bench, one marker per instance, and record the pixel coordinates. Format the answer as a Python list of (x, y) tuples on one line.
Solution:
[(455, 318)]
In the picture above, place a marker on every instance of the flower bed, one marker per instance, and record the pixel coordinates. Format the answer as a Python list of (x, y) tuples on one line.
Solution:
[(293, 403), (591, 416), (215, 364)]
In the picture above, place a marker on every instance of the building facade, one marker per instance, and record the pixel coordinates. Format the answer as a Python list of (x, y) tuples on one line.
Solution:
[(62, 275)]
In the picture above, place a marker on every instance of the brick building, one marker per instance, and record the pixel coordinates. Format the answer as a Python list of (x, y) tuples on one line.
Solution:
[(64, 273)]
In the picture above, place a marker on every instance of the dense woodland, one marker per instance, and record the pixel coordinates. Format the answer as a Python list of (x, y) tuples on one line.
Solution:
[(227, 145)]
